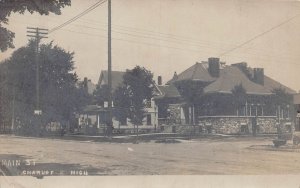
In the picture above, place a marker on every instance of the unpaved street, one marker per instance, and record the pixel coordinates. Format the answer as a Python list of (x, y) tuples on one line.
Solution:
[(202, 156)]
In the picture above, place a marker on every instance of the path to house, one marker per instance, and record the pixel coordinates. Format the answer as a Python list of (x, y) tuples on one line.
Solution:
[(230, 155)]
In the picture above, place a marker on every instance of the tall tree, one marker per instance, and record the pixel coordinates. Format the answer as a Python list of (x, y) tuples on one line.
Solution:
[(43, 7), (101, 94), (138, 88), (59, 91)]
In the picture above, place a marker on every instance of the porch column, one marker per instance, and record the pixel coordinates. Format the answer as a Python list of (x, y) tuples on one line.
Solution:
[(98, 121), (256, 110), (246, 108)]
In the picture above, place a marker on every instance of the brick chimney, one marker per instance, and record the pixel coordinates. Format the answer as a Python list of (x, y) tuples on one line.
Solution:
[(159, 80), (214, 66), (258, 76)]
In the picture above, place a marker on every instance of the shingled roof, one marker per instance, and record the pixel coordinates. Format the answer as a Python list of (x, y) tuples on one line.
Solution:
[(197, 72), (271, 84), (168, 91), (231, 76), (116, 81)]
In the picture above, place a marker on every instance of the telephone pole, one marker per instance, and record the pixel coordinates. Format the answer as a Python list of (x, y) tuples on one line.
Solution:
[(109, 78), (37, 34)]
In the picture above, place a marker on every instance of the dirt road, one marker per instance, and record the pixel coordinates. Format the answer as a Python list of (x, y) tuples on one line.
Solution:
[(203, 156)]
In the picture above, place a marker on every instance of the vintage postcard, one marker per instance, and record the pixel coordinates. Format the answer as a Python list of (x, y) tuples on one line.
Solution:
[(161, 93)]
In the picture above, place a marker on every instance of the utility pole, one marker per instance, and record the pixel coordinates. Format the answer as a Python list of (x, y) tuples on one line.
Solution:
[(109, 78), (37, 34)]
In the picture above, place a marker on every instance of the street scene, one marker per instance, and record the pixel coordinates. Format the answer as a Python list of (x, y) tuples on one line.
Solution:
[(115, 88), (203, 156)]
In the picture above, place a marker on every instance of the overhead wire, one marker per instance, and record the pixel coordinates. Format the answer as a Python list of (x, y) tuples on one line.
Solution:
[(97, 4), (259, 35)]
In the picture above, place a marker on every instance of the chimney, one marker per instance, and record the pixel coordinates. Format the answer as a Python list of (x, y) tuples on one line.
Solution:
[(214, 66), (175, 76), (159, 80), (258, 76), (242, 66), (85, 83)]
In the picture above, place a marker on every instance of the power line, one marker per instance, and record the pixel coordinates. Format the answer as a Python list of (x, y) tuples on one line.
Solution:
[(79, 15), (131, 41), (197, 50), (171, 38), (259, 35)]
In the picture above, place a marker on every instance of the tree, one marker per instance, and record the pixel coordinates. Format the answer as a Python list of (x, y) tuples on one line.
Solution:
[(282, 100), (239, 96), (131, 98), (192, 91), (59, 91), (7, 7), (121, 110), (101, 94)]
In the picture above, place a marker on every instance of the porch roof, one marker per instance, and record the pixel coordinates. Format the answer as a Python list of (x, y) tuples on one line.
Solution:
[(168, 91)]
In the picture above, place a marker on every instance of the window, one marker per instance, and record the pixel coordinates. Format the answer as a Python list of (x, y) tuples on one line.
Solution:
[(148, 103), (149, 119)]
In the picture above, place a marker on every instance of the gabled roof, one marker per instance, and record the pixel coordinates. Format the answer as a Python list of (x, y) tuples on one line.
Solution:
[(197, 72), (169, 91), (231, 76), (116, 81)]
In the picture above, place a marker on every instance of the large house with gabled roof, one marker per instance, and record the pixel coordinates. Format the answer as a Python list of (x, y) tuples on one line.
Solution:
[(207, 98)]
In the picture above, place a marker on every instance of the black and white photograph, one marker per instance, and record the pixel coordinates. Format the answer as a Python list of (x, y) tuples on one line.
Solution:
[(156, 91)]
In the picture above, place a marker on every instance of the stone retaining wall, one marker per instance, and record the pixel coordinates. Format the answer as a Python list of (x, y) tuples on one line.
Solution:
[(232, 125), (243, 125)]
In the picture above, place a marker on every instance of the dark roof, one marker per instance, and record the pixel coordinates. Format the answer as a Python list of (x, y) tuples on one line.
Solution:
[(271, 84), (231, 76), (117, 78), (168, 91), (196, 72)]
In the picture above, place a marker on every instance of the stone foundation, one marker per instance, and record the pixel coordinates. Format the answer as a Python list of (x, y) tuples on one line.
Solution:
[(243, 125), (232, 125)]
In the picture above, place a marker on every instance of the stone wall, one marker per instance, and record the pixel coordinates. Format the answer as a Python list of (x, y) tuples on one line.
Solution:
[(267, 125), (232, 125), (226, 125), (238, 125)]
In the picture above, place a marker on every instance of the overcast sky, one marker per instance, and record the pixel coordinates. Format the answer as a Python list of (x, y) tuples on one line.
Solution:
[(171, 35)]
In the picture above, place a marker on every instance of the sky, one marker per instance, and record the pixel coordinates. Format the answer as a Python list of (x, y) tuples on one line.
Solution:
[(166, 36)]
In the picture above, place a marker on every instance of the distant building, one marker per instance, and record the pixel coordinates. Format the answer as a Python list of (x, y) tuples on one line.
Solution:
[(96, 114)]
